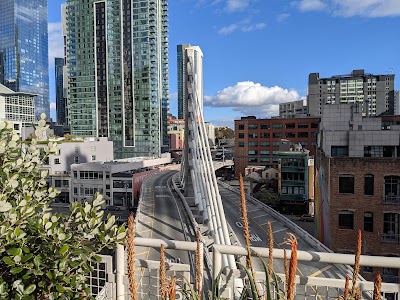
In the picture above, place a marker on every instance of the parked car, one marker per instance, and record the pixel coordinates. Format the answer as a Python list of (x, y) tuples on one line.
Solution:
[(307, 218)]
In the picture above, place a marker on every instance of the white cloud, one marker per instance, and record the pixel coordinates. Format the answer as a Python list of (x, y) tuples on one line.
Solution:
[(282, 17), (366, 8), (228, 5), (229, 122), (310, 5), (234, 5), (350, 8), (56, 42), (251, 98), (243, 26), (173, 96), (52, 106)]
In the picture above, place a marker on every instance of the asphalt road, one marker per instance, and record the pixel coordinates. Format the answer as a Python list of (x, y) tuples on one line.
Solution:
[(258, 220), (160, 218)]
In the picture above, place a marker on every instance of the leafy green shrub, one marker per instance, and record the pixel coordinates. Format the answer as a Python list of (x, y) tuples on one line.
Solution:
[(44, 255)]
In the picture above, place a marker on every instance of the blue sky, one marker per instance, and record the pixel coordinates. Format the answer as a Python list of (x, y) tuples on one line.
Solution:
[(258, 53)]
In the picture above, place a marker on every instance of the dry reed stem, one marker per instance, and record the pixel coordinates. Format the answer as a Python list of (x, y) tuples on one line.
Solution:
[(198, 265), (292, 268), (163, 274), (346, 288), (172, 289), (357, 262), (377, 287), (133, 287), (357, 294), (271, 249), (246, 229), (286, 267)]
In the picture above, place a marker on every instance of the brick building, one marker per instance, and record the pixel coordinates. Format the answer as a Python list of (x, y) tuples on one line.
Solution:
[(257, 140), (357, 184)]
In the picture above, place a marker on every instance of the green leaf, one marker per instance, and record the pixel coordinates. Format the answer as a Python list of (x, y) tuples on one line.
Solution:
[(37, 261), (49, 275), (63, 249), (30, 289), (60, 288), (15, 251), (16, 270), (27, 257), (8, 261)]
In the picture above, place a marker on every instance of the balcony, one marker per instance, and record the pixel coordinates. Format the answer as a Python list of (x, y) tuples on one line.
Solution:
[(391, 238), (391, 199)]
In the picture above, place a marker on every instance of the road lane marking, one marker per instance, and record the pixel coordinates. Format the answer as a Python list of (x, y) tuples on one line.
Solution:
[(141, 232), (266, 223), (253, 210), (141, 253), (320, 271), (280, 230), (256, 217)]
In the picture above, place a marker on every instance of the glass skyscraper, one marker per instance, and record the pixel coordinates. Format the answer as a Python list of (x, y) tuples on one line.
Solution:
[(117, 57), (60, 99), (24, 49)]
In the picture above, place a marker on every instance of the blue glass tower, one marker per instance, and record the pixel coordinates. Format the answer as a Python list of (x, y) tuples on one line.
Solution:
[(24, 48), (60, 100)]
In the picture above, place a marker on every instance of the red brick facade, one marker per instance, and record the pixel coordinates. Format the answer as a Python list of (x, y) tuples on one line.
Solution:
[(377, 238), (262, 137)]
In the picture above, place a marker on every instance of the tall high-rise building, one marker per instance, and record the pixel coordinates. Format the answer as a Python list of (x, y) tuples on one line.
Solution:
[(24, 47), (375, 92), (397, 102), (60, 99), (117, 59), (185, 53)]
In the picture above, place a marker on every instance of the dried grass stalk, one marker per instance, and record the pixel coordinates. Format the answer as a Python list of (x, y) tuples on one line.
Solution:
[(377, 287), (198, 266), (292, 268), (246, 229), (357, 294), (133, 286), (271, 249), (163, 274), (346, 288), (286, 267), (172, 289), (356, 269)]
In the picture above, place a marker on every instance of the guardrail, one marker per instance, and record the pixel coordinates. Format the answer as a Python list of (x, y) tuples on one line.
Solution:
[(292, 226)]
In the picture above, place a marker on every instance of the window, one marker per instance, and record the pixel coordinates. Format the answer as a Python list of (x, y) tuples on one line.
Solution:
[(277, 135), (276, 126), (57, 183), (392, 189), (391, 227), (346, 219), (264, 126), (368, 221), (265, 135), (241, 135), (56, 161), (302, 125), (93, 157), (275, 144), (346, 184), (241, 126), (369, 184), (339, 151), (302, 134), (252, 159), (253, 126), (314, 125), (241, 144), (252, 144), (264, 144), (290, 125), (76, 150), (264, 152), (76, 159), (252, 135), (264, 159), (290, 134), (252, 152)]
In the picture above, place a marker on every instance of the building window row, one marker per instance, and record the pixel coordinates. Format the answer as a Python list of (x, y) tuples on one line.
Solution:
[(278, 126)]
